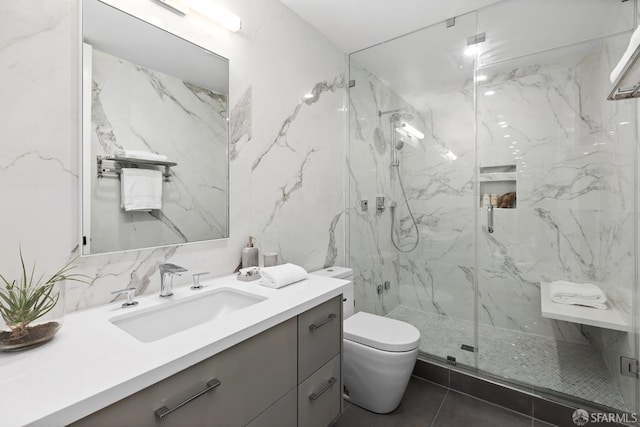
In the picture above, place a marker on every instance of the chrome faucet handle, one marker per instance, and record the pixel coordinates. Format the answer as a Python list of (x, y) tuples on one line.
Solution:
[(196, 280), (129, 294)]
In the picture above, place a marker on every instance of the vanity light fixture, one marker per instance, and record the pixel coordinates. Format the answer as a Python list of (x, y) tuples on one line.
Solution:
[(218, 14), (207, 9), (175, 6)]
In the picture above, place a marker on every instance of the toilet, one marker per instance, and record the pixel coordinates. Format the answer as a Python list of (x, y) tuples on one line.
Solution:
[(378, 353)]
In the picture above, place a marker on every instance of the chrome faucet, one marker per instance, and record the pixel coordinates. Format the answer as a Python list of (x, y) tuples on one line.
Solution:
[(167, 271)]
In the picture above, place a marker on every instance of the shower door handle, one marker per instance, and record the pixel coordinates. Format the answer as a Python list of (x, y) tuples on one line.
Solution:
[(490, 219)]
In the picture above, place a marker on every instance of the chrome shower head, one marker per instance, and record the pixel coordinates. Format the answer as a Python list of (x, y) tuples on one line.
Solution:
[(401, 116), (399, 144)]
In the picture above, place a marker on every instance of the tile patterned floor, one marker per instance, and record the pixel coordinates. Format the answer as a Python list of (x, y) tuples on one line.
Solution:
[(570, 368), (428, 404)]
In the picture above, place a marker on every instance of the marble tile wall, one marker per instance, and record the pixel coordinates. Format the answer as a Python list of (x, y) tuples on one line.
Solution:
[(136, 116), (574, 156), (371, 254), (287, 151)]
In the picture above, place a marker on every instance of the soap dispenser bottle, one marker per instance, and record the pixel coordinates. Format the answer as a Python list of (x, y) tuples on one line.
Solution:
[(250, 255)]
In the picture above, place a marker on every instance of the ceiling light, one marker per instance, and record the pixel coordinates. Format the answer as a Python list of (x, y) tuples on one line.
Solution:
[(481, 78), (308, 96), (623, 123), (504, 125), (489, 93), (411, 131), (507, 136), (471, 50)]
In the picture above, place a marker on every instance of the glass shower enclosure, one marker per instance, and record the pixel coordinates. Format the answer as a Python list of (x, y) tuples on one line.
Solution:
[(494, 166)]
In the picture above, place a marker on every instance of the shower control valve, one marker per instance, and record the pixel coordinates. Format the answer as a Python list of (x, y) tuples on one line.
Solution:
[(379, 289), (380, 204)]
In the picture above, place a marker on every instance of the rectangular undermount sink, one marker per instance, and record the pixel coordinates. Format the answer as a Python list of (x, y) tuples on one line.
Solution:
[(172, 316)]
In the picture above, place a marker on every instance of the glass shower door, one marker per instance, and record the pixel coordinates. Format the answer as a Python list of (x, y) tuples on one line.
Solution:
[(557, 162), (424, 80)]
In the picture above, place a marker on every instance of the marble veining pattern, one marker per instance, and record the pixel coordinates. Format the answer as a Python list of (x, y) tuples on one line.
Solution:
[(39, 55), (574, 166), (130, 102), (308, 99)]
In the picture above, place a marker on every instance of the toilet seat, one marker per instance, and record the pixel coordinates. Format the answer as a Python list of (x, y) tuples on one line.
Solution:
[(381, 333)]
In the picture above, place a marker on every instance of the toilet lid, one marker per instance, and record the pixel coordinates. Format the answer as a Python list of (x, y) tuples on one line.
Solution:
[(381, 332)]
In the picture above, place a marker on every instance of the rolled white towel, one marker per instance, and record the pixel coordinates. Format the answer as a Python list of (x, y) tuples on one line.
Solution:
[(282, 275), (633, 45), (586, 294), (140, 155)]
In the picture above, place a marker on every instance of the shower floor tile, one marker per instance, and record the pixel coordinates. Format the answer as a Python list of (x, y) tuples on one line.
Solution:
[(571, 368)]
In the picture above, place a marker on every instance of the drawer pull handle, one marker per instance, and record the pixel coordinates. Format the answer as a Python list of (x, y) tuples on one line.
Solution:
[(314, 396), (313, 326), (164, 411)]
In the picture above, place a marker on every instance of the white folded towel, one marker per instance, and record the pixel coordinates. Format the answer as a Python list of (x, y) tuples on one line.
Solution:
[(140, 155), (140, 189), (282, 275), (633, 45), (586, 294)]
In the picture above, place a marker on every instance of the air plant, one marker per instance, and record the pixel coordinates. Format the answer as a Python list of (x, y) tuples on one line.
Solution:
[(29, 299)]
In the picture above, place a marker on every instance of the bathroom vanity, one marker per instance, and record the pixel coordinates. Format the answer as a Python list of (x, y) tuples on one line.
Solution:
[(277, 362)]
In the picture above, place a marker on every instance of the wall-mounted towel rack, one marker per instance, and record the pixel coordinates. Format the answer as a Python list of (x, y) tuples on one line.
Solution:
[(117, 163), (627, 85)]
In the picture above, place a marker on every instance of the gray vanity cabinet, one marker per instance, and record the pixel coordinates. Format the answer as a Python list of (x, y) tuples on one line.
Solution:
[(252, 375), (319, 336), (283, 413), (286, 376), (319, 364)]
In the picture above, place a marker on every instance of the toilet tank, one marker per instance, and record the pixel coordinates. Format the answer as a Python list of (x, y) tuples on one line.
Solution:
[(348, 302)]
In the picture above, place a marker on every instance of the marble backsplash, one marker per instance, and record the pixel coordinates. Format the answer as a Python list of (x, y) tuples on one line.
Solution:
[(286, 150)]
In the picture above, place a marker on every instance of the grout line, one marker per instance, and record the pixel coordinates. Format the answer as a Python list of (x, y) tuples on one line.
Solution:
[(429, 381), (439, 408), (494, 404)]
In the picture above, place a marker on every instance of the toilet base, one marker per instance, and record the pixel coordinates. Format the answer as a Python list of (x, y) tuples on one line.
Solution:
[(374, 379)]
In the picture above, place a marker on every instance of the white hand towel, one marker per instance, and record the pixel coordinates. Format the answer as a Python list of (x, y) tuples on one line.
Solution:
[(140, 189), (586, 294), (633, 45), (140, 155), (282, 275)]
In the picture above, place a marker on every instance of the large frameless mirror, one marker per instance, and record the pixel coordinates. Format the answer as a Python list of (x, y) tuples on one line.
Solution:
[(154, 135)]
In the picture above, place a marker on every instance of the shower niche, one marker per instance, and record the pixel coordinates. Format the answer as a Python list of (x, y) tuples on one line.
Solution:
[(498, 186)]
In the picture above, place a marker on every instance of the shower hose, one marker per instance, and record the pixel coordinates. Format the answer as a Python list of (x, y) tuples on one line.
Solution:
[(393, 211)]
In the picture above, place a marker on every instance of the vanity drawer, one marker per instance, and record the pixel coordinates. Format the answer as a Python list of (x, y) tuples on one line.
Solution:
[(319, 396), (319, 336), (253, 375)]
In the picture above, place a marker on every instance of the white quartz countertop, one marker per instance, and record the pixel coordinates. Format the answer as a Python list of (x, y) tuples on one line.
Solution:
[(91, 363)]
